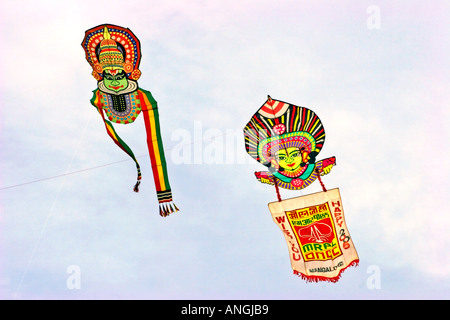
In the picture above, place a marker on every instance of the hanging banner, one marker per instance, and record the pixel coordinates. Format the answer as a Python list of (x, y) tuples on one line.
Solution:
[(319, 243)]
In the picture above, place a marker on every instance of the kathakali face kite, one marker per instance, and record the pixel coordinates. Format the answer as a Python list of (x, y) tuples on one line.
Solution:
[(114, 54), (287, 140)]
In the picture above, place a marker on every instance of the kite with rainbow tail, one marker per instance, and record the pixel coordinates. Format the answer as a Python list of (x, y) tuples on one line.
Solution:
[(114, 54)]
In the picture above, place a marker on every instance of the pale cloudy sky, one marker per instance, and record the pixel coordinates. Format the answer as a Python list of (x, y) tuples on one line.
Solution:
[(375, 72)]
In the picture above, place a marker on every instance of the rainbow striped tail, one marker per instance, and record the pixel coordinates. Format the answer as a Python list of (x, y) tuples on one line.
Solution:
[(166, 204), (156, 151), (155, 148)]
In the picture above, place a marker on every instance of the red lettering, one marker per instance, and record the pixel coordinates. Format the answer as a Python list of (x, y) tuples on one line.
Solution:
[(309, 256), (287, 233), (296, 259), (337, 209), (322, 255), (337, 203), (280, 219), (335, 253)]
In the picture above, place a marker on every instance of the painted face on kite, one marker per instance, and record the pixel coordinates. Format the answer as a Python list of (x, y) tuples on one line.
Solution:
[(290, 159), (115, 80)]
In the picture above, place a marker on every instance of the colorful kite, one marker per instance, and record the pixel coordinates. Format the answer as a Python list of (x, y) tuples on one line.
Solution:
[(114, 54), (287, 140)]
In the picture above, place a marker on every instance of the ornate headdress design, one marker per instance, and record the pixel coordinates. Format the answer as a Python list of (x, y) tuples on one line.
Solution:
[(112, 47), (279, 125)]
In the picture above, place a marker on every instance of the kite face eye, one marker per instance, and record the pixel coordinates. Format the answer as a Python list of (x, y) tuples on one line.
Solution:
[(120, 75), (117, 76), (294, 154), (282, 156)]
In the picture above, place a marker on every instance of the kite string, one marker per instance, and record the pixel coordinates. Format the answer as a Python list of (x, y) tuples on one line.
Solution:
[(320, 180), (277, 189), (102, 165), (49, 215), (64, 174)]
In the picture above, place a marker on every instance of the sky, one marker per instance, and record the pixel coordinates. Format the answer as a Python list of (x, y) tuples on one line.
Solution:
[(375, 72)]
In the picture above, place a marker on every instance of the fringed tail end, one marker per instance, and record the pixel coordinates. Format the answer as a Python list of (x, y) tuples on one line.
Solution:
[(166, 208), (136, 186), (166, 205), (309, 278), (139, 177)]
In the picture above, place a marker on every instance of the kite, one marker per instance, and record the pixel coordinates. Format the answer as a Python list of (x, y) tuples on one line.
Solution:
[(114, 54), (287, 139)]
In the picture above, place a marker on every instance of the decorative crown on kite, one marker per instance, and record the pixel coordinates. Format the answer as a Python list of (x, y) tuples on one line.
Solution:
[(114, 48)]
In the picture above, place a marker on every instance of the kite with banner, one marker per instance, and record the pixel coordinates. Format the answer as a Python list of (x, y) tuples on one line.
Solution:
[(114, 54), (287, 140)]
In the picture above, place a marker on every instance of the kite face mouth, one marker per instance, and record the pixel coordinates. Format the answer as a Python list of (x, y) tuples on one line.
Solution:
[(291, 165), (116, 87)]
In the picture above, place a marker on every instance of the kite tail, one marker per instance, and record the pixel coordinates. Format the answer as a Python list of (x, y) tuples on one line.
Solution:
[(138, 182), (117, 140), (156, 152), (155, 148), (95, 101), (166, 204), (112, 133)]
